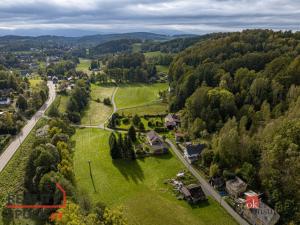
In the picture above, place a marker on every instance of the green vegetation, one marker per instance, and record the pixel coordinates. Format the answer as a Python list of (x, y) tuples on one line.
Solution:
[(153, 54), (137, 186), (12, 177), (136, 47), (62, 107), (114, 46), (97, 112), (35, 81), (79, 99), (242, 90), (130, 67), (151, 109), (163, 69), (84, 65), (133, 95)]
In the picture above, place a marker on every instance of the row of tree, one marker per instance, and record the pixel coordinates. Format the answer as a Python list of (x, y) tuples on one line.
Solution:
[(78, 100), (121, 147)]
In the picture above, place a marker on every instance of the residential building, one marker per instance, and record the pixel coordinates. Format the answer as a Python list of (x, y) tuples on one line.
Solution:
[(193, 193), (191, 152), (4, 101), (235, 187), (263, 215), (156, 144), (172, 121)]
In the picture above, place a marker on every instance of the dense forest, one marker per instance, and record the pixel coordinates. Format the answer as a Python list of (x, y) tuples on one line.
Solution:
[(178, 44), (242, 90), (130, 67), (115, 46)]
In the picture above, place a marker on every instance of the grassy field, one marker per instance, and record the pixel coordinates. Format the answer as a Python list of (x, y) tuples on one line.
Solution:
[(152, 109), (136, 47), (163, 69), (153, 54), (138, 186), (138, 94), (96, 112), (84, 65), (34, 80), (62, 107)]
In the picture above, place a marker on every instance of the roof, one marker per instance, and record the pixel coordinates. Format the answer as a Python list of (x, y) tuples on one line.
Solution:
[(178, 134), (194, 149), (193, 190), (172, 117), (153, 136), (265, 214), (236, 184)]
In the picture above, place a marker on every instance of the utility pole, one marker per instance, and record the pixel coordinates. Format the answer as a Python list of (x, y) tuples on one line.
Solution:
[(90, 167)]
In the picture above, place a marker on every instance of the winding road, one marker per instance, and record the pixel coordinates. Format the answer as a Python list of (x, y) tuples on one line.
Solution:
[(17, 141)]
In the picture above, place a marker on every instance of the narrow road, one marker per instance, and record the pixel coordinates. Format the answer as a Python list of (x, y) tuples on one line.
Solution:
[(115, 109), (208, 189), (15, 144)]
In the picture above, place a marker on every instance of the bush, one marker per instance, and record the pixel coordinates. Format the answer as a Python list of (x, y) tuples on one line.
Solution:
[(74, 117), (125, 121), (141, 126), (228, 175), (107, 101), (160, 129), (136, 120)]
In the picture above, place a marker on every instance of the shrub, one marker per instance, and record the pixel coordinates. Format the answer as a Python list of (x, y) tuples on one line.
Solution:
[(107, 101)]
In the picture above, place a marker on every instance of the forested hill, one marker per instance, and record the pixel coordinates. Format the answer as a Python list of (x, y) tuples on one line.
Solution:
[(242, 90), (178, 44), (122, 45)]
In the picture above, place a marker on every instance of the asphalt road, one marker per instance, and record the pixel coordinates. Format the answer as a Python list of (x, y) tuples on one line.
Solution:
[(14, 145), (207, 188)]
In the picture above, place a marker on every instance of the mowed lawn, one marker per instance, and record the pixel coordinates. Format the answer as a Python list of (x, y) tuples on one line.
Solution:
[(163, 69), (133, 95), (84, 65), (153, 109), (137, 186), (96, 112), (35, 81)]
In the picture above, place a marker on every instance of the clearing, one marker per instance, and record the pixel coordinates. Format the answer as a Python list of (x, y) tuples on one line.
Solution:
[(138, 186), (96, 112), (151, 109), (84, 65), (133, 95)]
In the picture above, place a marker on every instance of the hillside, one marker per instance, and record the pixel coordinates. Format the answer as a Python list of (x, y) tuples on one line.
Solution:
[(115, 46), (241, 91), (24, 43)]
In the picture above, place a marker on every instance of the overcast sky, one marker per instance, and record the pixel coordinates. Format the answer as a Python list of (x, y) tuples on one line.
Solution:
[(75, 17)]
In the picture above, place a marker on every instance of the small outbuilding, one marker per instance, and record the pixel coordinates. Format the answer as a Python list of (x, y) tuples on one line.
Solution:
[(4, 101), (263, 215), (235, 187), (193, 193)]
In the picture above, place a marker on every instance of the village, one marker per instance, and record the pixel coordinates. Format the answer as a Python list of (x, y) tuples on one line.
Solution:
[(234, 191)]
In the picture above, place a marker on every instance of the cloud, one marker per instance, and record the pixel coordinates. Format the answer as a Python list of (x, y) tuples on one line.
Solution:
[(197, 16)]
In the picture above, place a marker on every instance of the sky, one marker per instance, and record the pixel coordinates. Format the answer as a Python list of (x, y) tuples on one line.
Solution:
[(83, 17)]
